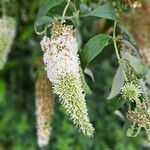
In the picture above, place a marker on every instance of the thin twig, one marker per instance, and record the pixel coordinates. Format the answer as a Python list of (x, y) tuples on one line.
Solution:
[(65, 10), (116, 50)]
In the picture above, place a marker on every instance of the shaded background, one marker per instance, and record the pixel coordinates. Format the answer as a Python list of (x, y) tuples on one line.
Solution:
[(17, 96)]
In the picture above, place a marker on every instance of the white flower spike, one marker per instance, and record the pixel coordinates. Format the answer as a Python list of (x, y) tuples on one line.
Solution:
[(62, 66), (7, 35)]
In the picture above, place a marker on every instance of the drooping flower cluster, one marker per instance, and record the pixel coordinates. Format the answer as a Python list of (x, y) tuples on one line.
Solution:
[(7, 34), (131, 92), (139, 116), (44, 108), (62, 66)]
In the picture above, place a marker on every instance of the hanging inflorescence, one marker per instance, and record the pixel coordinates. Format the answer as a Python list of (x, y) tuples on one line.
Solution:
[(64, 71), (44, 108), (62, 65), (7, 35), (138, 79)]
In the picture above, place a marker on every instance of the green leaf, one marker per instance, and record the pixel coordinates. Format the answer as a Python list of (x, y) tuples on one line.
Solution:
[(47, 5), (88, 72), (93, 47), (42, 21), (84, 83), (126, 34), (84, 8), (117, 84), (130, 45), (104, 11), (115, 103), (119, 114), (128, 39), (140, 68)]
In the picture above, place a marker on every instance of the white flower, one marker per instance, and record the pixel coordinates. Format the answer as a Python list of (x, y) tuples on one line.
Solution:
[(7, 34), (62, 66)]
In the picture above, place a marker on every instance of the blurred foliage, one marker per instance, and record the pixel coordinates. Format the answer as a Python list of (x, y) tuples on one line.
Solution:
[(17, 98)]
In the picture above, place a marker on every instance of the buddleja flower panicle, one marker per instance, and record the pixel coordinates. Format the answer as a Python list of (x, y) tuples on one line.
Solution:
[(7, 35), (62, 65), (44, 108), (74, 102)]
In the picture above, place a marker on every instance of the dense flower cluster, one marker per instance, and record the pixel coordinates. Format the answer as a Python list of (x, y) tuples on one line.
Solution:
[(7, 34), (62, 66), (44, 108), (130, 92), (139, 116)]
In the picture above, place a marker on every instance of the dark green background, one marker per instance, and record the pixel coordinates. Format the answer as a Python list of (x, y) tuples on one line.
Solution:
[(17, 97)]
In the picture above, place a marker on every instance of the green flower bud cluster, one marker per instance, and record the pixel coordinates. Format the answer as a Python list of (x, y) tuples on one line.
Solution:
[(68, 87), (131, 92)]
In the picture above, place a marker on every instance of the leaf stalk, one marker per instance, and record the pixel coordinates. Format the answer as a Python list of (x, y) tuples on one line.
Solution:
[(116, 50)]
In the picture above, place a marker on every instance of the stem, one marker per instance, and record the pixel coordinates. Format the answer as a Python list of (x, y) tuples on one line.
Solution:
[(115, 43), (74, 7), (116, 50), (65, 18), (65, 10)]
